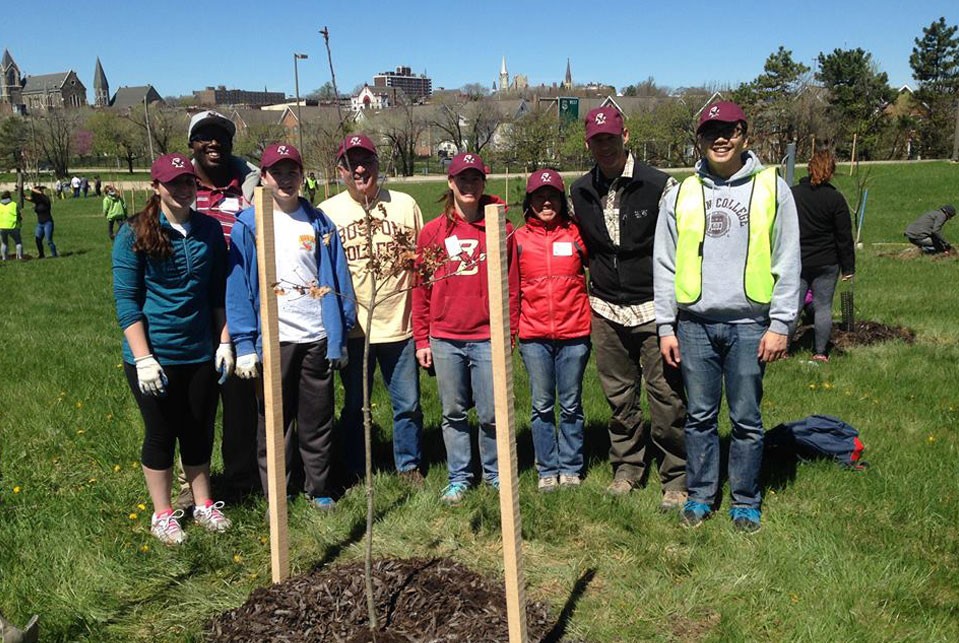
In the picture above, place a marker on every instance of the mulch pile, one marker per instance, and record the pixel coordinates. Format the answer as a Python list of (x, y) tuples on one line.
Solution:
[(435, 600), (865, 333)]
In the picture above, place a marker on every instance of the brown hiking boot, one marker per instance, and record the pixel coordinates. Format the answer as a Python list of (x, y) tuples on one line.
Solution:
[(621, 487), (673, 500), (413, 478)]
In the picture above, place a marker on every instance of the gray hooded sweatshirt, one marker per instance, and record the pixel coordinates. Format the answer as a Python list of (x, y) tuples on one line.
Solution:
[(724, 255)]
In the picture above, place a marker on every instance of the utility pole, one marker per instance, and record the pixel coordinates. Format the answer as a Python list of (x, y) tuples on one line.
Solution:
[(955, 137), (146, 119), (299, 114)]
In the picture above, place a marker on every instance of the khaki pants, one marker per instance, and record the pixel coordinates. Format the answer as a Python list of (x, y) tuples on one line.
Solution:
[(625, 357)]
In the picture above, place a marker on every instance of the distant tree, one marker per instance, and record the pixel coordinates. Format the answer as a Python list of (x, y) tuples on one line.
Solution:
[(401, 128), (469, 122), (323, 93), (167, 128), (935, 66), (664, 136), (321, 138), (573, 154), (116, 136), (53, 131), (858, 92), (475, 90), (770, 101), (14, 139), (531, 140), (252, 140), (647, 88)]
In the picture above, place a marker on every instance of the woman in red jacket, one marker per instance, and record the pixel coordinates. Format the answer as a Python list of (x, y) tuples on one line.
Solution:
[(554, 327), (451, 321)]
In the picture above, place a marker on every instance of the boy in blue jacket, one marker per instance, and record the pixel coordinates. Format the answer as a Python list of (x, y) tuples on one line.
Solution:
[(315, 309)]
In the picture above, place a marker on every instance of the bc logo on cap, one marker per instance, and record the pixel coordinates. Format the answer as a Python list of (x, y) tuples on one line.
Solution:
[(176, 162), (469, 159), (355, 140), (714, 111), (545, 177), (600, 118), (283, 149)]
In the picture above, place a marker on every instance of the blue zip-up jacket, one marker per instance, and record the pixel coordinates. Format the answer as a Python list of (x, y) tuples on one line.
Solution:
[(243, 287), (173, 297)]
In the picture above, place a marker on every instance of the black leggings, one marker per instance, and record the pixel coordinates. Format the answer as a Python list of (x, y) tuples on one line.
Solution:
[(185, 414)]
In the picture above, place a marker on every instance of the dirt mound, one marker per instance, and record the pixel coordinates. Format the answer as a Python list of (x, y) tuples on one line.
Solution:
[(865, 333), (434, 600), (911, 252)]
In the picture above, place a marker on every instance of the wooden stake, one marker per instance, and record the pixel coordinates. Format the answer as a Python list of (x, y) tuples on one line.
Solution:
[(852, 162), (505, 424), (272, 385)]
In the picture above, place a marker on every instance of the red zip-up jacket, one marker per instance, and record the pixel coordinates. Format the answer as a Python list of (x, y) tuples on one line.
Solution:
[(455, 303), (552, 263)]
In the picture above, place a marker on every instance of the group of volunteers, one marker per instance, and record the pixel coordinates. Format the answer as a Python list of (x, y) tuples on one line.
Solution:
[(11, 219), (693, 287)]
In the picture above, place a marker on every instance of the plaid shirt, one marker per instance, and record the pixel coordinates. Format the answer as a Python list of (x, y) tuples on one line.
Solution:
[(637, 314)]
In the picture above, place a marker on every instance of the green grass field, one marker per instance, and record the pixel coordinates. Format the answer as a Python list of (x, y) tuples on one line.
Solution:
[(843, 556)]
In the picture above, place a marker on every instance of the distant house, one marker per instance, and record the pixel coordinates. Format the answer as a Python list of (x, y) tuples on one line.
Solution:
[(371, 98), (53, 91), (127, 98)]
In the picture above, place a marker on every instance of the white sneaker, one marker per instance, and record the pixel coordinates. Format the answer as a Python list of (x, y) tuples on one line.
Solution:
[(211, 517), (167, 529), (548, 484), (569, 480)]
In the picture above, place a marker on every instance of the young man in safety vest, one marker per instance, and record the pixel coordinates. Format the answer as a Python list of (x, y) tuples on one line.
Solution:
[(616, 205), (726, 274)]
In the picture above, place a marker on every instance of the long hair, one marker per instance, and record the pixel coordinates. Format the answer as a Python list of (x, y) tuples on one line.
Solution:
[(149, 237), (822, 166)]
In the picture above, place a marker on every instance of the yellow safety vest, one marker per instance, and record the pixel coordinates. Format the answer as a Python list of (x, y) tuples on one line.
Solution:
[(691, 230), (8, 215), (311, 183)]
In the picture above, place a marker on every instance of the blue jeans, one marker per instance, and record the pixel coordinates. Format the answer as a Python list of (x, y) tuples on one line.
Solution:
[(397, 362), (45, 230), (464, 375), (556, 372), (712, 354)]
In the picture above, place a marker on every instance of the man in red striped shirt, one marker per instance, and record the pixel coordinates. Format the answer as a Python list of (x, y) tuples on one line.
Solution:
[(225, 187)]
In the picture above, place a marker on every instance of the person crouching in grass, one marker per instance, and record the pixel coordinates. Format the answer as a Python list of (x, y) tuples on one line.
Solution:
[(169, 282)]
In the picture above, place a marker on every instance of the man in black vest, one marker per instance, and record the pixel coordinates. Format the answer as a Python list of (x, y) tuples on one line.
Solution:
[(616, 205)]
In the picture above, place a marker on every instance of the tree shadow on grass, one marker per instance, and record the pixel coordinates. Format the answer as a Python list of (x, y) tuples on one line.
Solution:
[(555, 635), (356, 534)]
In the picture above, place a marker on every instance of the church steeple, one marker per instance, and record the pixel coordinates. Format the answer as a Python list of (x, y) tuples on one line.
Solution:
[(101, 88), (503, 77), (568, 81)]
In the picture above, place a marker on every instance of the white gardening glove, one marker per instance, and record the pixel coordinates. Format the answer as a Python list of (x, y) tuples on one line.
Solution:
[(223, 361), (246, 366), (150, 376)]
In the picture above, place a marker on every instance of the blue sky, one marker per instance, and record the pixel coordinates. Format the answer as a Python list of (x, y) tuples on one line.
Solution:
[(677, 43)]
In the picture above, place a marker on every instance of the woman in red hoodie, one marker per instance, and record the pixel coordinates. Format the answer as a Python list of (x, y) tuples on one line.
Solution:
[(451, 321), (554, 327)]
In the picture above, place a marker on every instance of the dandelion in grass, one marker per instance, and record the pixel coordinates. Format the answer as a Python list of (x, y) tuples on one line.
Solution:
[(144, 549), (16, 489), (79, 404), (116, 468), (141, 506), (80, 431), (132, 516), (827, 385), (237, 559), (812, 386), (931, 439), (92, 481)]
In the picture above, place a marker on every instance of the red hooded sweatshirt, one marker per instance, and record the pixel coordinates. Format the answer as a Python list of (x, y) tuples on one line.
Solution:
[(454, 304)]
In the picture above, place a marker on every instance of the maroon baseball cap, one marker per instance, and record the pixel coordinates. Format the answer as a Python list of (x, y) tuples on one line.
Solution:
[(170, 166), (467, 161), (604, 120), (354, 141), (547, 177), (277, 152), (722, 111)]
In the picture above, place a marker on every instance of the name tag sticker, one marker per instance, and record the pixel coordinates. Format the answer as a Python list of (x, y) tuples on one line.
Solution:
[(230, 204), (562, 249), (453, 248)]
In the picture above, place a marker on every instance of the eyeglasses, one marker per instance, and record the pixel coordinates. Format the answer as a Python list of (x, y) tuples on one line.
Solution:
[(729, 131), (210, 134)]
